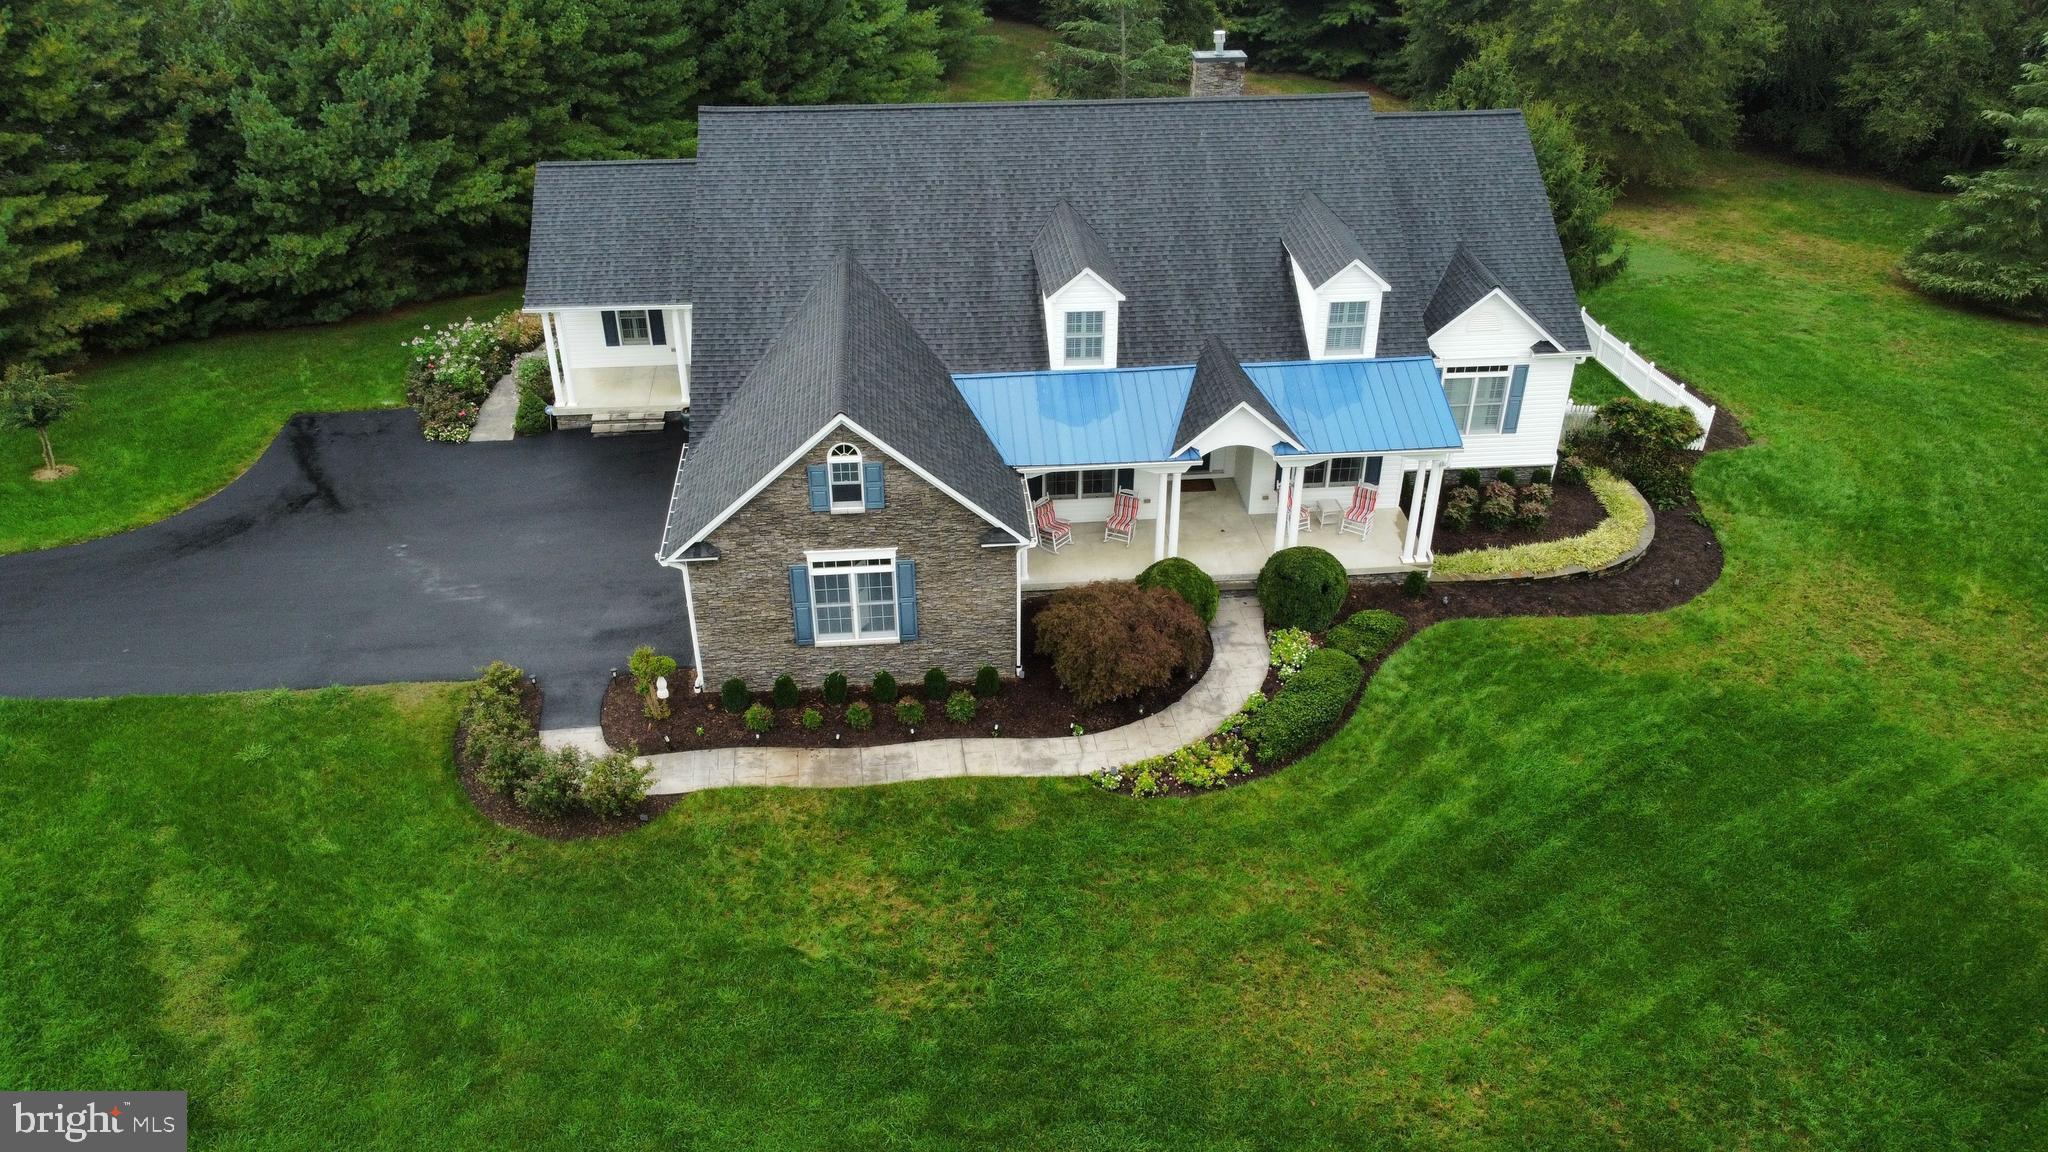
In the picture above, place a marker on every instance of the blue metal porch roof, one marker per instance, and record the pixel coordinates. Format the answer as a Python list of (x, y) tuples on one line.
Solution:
[(1130, 415), (1395, 404), (1047, 419)]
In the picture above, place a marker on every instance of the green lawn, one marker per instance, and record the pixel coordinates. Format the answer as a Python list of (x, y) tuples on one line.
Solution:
[(158, 430), (1768, 871)]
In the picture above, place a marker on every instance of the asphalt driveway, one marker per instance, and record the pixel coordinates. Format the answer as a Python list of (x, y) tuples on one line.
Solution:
[(355, 552)]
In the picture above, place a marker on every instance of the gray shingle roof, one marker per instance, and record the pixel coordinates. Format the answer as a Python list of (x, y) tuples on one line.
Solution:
[(844, 350), (609, 232), (1219, 386), (1465, 282), (1322, 244), (942, 204), (1066, 246)]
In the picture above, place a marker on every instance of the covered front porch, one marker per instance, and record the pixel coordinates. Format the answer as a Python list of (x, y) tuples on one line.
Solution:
[(1220, 538), (654, 388)]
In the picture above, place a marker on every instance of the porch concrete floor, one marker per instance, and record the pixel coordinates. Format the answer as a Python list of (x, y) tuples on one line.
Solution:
[(650, 388), (1220, 538)]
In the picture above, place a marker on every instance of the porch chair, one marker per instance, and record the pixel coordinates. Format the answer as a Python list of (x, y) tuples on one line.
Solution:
[(1302, 515), (1358, 518), (1053, 532), (1123, 518)]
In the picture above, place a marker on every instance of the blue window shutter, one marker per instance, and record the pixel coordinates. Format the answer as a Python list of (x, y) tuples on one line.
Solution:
[(821, 496), (655, 335), (1519, 382), (800, 602), (906, 599), (1372, 469), (611, 328), (873, 468)]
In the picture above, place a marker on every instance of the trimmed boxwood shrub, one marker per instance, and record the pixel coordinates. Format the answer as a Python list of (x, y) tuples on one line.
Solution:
[(909, 713), (758, 719), (935, 685), (1307, 708), (1113, 639), (1302, 587), (885, 688), (1415, 585), (733, 695), (813, 720), (859, 716), (987, 682), (1183, 577), (536, 392), (960, 707), (835, 688), (1366, 634), (785, 692)]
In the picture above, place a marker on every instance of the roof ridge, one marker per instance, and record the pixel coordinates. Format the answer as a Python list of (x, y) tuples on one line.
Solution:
[(1136, 101), (1446, 113), (624, 163)]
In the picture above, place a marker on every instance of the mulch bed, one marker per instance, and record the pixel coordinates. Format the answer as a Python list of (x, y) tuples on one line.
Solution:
[(576, 826), (1573, 510), (1033, 706)]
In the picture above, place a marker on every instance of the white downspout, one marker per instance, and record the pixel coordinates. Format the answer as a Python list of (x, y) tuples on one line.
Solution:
[(696, 638)]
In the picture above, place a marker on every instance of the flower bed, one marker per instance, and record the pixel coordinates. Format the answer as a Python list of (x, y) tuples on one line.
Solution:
[(1034, 706), (454, 368), (1591, 551)]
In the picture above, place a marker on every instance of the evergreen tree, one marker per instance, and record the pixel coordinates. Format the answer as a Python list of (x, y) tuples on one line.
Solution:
[(1989, 245), (1331, 38), (1115, 48), (1576, 183)]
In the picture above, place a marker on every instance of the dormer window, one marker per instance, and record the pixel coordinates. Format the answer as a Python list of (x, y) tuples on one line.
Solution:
[(1346, 331), (1084, 338)]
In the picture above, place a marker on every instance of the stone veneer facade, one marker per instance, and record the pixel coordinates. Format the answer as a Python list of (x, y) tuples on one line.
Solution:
[(966, 593)]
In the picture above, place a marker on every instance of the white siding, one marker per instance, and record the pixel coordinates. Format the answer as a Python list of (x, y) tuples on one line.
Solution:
[(582, 335), (1494, 332), (1084, 293), (1353, 283)]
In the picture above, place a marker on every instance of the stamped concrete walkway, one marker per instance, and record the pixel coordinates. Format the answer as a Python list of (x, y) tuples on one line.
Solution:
[(1238, 668)]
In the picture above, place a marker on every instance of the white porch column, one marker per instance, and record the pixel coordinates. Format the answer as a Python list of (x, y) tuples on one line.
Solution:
[(1280, 502), (565, 390), (1414, 513), (678, 329), (1173, 525), (1299, 491), (1161, 511), (547, 335), (1423, 555)]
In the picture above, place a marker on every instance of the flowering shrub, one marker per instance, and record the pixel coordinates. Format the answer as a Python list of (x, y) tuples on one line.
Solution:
[(454, 367), (1290, 648)]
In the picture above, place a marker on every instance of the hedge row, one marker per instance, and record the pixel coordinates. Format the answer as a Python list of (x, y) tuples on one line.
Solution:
[(1312, 702)]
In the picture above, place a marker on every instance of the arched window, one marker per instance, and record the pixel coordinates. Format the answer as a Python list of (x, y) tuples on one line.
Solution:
[(843, 461)]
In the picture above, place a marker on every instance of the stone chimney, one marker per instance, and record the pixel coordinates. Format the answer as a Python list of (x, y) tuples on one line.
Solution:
[(1219, 72)]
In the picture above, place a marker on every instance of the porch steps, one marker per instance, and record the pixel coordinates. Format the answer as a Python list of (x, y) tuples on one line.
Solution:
[(617, 423)]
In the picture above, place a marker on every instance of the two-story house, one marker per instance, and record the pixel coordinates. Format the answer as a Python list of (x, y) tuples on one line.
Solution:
[(911, 338)]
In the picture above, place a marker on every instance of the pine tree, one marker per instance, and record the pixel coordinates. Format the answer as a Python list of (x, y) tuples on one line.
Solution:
[(1577, 184), (1115, 48), (1989, 245), (33, 399)]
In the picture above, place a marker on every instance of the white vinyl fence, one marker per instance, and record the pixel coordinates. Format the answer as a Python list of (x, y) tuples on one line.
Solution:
[(1643, 378), (1577, 416)]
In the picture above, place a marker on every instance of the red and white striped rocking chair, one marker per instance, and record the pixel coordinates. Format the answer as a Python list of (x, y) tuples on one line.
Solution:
[(1053, 532), (1123, 518), (1358, 518)]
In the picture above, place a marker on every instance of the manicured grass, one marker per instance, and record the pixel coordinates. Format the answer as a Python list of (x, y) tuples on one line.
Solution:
[(1766, 871), (1592, 384), (161, 429)]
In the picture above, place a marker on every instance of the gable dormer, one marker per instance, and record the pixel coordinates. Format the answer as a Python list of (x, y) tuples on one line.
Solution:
[(1338, 290), (1081, 290), (1472, 315)]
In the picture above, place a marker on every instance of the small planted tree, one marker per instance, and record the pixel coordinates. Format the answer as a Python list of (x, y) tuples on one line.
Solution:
[(33, 399), (648, 668)]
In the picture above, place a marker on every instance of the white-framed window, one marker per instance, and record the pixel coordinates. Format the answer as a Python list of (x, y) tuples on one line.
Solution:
[(843, 468), (633, 327), (1346, 330), (1090, 483), (853, 597), (1478, 397), (1084, 337), (1340, 472)]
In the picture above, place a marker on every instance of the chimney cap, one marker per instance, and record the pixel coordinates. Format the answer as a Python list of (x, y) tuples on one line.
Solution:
[(1220, 35)]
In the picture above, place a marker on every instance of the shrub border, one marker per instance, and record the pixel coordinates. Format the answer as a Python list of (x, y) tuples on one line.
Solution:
[(1525, 561)]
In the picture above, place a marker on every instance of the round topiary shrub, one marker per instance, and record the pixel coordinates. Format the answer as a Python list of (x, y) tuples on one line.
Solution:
[(1190, 582), (885, 688), (1415, 585), (987, 682), (733, 695), (758, 719), (935, 685), (1302, 587), (835, 688), (785, 692)]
